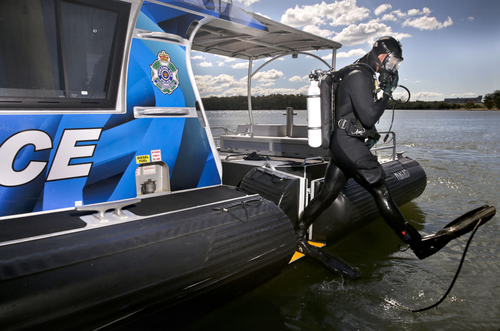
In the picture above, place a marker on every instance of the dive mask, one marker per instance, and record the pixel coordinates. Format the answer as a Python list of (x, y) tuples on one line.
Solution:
[(392, 63)]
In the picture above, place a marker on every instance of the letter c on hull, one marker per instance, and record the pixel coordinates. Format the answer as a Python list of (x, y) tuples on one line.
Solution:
[(9, 150)]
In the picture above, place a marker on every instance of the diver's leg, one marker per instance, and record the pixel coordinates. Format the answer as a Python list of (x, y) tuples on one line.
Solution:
[(335, 181), (426, 246), (392, 215), (371, 175)]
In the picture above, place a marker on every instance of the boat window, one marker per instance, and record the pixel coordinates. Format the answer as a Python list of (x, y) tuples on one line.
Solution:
[(61, 53)]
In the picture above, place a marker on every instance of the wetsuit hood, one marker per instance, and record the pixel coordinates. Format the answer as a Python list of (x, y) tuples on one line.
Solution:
[(384, 45), (368, 59)]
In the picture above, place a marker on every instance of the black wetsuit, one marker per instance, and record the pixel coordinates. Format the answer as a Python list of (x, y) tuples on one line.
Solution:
[(350, 158)]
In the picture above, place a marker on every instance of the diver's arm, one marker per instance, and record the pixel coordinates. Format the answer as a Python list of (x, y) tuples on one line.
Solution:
[(360, 88)]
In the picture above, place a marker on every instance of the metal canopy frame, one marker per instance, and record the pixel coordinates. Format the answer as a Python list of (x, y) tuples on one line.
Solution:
[(228, 39), (237, 41)]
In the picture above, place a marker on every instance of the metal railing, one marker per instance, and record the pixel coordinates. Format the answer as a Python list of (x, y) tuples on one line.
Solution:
[(392, 141), (217, 138), (393, 146)]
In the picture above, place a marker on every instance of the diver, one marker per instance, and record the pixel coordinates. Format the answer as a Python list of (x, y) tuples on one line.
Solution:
[(357, 111)]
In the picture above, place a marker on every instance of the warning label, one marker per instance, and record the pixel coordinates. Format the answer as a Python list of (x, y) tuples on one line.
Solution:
[(149, 170), (142, 159), (156, 155)]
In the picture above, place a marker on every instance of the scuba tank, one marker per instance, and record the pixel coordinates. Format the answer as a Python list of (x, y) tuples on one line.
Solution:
[(314, 114), (321, 107), (321, 103)]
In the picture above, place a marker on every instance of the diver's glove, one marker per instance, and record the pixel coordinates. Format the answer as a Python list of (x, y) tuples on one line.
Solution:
[(371, 141), (391, 86)]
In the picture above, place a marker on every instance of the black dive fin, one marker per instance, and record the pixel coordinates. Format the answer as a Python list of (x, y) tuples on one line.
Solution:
[(460, 226), (329, 260)]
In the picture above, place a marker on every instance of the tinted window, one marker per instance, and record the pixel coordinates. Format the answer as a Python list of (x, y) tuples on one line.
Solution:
[(61, 54)]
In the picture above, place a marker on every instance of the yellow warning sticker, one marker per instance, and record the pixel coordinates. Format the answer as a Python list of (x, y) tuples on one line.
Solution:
[(142, 159)]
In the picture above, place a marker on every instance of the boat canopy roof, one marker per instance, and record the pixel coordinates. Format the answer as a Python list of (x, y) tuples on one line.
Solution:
[(235, 40), (237, 33)]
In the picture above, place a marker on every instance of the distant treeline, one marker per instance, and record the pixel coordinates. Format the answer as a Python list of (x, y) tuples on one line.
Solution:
[(299, 102), (273, 101), (437, 105)]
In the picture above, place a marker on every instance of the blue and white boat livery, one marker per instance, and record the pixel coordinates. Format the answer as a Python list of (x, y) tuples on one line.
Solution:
[(112, 198)]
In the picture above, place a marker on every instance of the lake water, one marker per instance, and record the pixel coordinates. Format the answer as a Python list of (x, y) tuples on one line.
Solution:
[(459, 150)]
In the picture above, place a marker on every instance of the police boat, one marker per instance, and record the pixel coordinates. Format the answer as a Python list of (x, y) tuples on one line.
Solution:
[(113, 196)]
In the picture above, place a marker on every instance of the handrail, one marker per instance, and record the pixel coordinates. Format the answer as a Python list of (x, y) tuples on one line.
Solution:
[(226, 131), (394, 153), (313, 158), (393, 146), (251, 74)]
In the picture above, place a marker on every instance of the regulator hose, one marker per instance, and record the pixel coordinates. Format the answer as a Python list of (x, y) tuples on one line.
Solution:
[(394, 101), (456, 274)]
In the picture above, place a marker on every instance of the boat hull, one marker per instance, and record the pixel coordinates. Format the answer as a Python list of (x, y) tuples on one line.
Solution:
[(167, 256), (353, 208)]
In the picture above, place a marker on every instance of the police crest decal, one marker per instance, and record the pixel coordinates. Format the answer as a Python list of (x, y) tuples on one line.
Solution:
[(164, 74)]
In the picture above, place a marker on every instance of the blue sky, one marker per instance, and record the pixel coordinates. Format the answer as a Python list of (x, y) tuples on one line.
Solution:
[(451, 48)]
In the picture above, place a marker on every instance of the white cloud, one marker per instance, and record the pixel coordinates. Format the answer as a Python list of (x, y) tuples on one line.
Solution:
[(225, 60), (470, 18), (225, 80), (351, 53), (317, 31), (241, 65), (427, 96), (204, 84), (413, 81), (227, 85), (427, 23), (366, 33), (464, 95), (211, 84), (337, 13), (399, 13), (300, 79), (205, 64), (197, 57), (349, 13), (266, 84), (382, 8), (389, 17), (233, 92), (247, 2), (306, 15), (415, 12), (267, 76), (262, 89), (259, 90)]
